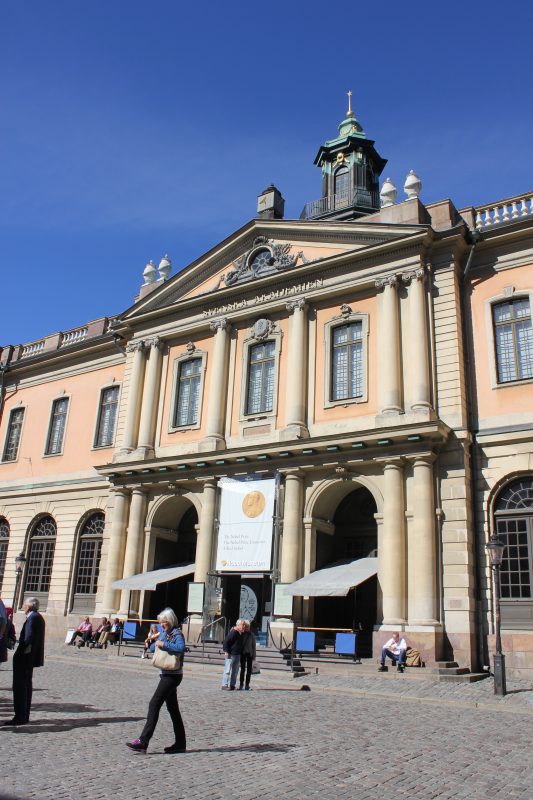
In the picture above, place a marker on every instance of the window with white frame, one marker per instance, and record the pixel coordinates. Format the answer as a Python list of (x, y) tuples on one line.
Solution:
[(347, 361), (513, 520), (56, 431), (41, 557), (187, 393), (260, 378), (14, 430), (89, 554), (513, 338), (4, 542), (107, 417), (346, 358)]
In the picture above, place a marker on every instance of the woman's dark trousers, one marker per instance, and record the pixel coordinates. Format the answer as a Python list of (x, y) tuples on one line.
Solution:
[(246, 665), (165, 693)]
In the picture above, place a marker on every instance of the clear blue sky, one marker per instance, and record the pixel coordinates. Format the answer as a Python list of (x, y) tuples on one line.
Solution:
[(130, 129)]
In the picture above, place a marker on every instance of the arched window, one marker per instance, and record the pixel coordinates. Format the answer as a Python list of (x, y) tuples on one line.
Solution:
[(89, 553), (513, 520), (342, 186), (4, 541), (41, 557)]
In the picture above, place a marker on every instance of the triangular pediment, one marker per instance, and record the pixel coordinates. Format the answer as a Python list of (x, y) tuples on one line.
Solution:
[(262, 249)]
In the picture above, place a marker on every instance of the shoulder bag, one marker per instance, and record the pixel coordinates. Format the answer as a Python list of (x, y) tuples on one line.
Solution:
[(163, 660)]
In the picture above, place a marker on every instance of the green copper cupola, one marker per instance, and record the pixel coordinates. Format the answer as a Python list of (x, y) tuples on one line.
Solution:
[(351, 167)]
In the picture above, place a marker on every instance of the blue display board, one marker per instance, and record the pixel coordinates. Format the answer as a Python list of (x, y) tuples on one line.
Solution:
[(305, 642), (346, 643)]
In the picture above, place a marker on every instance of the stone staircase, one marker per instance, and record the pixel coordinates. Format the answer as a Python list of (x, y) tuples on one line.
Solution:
[(268, 658)]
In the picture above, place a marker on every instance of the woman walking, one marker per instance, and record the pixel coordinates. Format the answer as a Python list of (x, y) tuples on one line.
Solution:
[(171, 641), (248, 653)]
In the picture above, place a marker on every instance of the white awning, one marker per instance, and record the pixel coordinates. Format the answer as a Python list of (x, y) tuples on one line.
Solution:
[(335, 581), (149, 580)]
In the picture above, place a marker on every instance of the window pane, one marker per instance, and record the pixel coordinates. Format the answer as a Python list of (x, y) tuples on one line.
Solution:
[(57, 427), (4, 541), (513, 336), (107, 417), (347, 361), (188, 393), (13, 435), (515, 571), (261, 375)]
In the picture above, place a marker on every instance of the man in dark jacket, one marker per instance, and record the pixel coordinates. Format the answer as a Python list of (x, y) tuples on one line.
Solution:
[(232, 648), (29, 654)]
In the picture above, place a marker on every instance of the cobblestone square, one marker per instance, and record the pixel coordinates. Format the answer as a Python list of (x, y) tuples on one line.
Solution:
[(346, 738)]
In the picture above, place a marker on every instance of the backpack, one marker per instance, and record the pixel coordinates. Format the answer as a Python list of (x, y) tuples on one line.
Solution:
[(413, 658)]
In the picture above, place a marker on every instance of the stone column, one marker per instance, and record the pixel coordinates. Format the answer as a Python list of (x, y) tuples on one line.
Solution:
[(295, 426), (134, 542), (131, 425), (390, 394), (117, 538), (419, 345), (292, 527), (391, 546), (204, 542), (150, 398), (422, 545), (216, 402)]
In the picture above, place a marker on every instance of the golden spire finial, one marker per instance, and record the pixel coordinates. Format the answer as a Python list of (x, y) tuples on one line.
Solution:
[(349, 93)]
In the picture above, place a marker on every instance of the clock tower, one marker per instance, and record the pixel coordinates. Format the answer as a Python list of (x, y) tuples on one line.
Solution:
[(351, 167)]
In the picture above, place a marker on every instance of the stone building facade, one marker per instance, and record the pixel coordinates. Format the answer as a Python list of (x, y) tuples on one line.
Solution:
[(377, 360)]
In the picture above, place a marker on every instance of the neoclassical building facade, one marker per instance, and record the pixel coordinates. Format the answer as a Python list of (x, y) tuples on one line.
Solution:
[(373, 357)]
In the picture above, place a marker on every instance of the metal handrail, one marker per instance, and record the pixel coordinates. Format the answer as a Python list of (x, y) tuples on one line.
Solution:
[(205, 627)]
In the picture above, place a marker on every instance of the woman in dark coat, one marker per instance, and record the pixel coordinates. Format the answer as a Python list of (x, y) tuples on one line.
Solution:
[(248, 654)]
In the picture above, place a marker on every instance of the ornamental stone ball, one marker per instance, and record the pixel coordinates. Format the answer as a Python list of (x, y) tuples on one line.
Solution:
[(412, 186), (388, 193)]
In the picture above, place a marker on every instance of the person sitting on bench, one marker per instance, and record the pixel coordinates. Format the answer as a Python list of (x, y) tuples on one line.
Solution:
[(396, 650), (84, 631), (101, 634)]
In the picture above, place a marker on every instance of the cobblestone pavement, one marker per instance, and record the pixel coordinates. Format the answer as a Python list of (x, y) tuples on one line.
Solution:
[(349, 737)]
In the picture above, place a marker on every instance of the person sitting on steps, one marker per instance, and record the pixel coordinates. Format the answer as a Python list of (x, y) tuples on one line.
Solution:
[(396, 650)]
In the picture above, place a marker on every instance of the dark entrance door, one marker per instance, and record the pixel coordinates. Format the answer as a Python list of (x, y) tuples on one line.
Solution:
[(355, 537)]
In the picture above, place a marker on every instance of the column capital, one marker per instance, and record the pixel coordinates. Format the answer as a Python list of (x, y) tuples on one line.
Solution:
[(390, 281), (294, 473), (395, 462), (221, 324), (296, 305), (422, 458), (155, 342), (121, 491), (136, 344), (413, 276)]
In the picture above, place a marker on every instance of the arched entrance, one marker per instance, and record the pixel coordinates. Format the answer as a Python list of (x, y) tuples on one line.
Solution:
[(349, 533), (171, 541)]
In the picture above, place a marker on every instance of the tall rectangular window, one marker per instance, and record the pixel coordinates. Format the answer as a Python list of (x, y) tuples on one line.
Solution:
[(513, 337), (260, 389), (107, 417), (186, 410), (56, 431), (347, 361), (14, 429)]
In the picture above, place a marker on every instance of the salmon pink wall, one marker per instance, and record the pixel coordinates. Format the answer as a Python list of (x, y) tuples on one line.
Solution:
[(502, 399), (340, 412), (78, 451), (187, 434)]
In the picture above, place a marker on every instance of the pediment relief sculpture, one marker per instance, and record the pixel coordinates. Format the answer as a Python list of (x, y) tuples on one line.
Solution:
[(265, 257)]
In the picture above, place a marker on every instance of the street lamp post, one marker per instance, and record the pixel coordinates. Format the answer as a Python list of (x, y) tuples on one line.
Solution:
[(495, 550), (19, 569)]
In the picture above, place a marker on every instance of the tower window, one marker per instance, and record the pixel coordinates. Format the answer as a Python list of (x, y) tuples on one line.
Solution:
[(342, 184)]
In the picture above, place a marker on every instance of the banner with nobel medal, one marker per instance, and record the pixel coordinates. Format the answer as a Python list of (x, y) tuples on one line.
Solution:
[(246, 525)]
